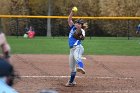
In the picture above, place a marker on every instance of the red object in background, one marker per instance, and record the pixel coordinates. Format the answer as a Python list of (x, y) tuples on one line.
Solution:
[(31, 34)]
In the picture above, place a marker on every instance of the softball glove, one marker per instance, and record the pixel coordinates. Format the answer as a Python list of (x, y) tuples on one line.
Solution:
[(78, 35)]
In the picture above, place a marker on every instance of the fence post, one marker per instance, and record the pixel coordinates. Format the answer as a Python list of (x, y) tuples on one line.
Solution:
[(128, 31), (17, 27)]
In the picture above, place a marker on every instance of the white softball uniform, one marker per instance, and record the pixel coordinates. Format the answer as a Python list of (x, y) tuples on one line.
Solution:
[(76, 49)]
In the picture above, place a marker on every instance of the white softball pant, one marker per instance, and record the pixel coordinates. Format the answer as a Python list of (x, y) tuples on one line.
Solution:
[(75, 55)]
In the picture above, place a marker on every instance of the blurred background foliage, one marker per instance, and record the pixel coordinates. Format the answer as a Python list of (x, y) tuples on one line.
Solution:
[(59, 27)]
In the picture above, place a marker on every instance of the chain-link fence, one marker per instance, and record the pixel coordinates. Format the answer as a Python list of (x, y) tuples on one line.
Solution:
[(17, 26)]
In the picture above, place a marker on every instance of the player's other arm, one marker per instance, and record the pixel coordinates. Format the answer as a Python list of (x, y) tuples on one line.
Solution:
[(5, 47), (83, 34), (70, 22), (6, 50)]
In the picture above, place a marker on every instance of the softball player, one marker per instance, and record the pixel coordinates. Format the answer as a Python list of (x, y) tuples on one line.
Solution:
[(7, 76), (5, 46), (138, 29), (76, 49)]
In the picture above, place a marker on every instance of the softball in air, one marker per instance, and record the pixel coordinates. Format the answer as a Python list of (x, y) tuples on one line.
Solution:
[(74, 9)]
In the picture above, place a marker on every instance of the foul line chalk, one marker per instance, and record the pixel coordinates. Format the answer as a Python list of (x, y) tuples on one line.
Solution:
[(118, 91), (98, 91), (49, 76), (125, 78)]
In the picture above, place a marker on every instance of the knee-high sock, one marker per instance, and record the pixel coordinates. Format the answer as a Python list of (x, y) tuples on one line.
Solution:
[(80, 64), (73, 74)]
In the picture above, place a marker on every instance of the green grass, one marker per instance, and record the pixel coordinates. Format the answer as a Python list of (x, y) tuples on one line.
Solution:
[(112, 46), (59, 45)]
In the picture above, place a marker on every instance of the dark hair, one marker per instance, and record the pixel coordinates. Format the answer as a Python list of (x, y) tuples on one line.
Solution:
[(83, 23), (7, 70), (80, 21)]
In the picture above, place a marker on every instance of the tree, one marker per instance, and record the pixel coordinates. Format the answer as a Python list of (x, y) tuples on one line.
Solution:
[(4, 9)]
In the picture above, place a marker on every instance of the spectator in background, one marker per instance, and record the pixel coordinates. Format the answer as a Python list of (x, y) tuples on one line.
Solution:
[(138, 29), (31, 32), (7, 77), (5, 47), (26, 29), (25, 32)]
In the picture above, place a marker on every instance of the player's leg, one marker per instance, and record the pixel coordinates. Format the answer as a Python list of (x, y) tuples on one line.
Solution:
[(72, 65), (77, 55)]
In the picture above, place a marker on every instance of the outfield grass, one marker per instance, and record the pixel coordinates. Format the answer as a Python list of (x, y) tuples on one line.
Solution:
[(59, 45)]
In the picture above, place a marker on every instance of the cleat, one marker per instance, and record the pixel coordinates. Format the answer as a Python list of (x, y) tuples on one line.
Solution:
[(81, 70), (70, 84)]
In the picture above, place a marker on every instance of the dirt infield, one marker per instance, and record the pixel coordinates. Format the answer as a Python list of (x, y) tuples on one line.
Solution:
[(104, 74)]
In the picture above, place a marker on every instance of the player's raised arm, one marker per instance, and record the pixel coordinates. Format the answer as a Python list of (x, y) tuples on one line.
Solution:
[(70, 22)]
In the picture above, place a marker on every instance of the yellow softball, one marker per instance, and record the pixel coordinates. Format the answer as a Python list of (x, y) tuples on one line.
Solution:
[(74, 9)]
